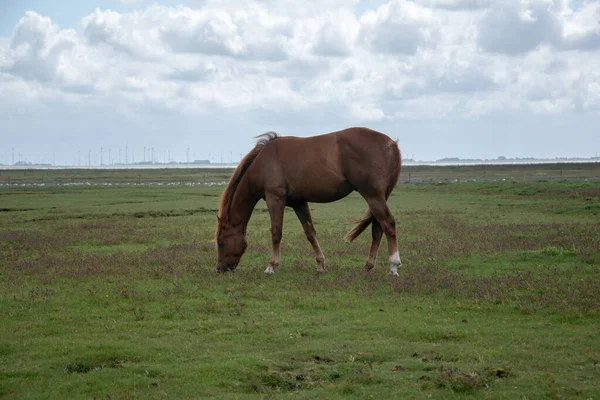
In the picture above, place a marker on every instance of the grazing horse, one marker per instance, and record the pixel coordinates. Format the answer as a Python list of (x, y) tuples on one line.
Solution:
[(293, 171)]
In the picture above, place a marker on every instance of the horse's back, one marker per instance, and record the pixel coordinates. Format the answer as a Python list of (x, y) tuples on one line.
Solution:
[(326, 167)]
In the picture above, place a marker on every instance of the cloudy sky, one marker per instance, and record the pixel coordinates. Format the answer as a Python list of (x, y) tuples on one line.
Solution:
[(461, 78)]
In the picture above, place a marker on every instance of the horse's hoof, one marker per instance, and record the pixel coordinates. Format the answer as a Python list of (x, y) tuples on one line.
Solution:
[(321, 266), (269, 270)]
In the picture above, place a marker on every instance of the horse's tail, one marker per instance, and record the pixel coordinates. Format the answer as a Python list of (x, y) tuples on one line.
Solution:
[(368, 218), (360, 226)]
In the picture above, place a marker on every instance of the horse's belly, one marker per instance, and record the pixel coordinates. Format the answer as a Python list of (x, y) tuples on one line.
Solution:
[(325, 194)]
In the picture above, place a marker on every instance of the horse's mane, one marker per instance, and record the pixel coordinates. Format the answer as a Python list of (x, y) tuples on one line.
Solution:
[(238, 173)]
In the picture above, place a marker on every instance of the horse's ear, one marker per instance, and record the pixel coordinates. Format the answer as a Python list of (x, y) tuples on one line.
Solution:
[(218, 218)]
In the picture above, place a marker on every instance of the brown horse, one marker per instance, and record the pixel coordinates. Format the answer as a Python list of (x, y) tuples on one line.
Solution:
[(293, 171)]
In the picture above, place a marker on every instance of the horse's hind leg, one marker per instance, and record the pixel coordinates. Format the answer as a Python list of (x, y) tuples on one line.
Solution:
[(303, 213), (276, 207), (376, 233), (380, 210)]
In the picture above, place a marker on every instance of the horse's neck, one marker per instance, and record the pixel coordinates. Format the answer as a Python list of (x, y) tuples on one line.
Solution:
[(242, 204)]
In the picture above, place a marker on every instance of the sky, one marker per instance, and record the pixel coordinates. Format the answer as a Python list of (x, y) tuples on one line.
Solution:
[(447, 78)]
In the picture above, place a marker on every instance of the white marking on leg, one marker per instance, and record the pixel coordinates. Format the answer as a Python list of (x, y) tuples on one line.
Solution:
[(269, 270), (395, 263)]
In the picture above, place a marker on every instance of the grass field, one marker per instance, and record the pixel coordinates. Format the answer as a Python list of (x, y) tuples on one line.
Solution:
[(109, 292)]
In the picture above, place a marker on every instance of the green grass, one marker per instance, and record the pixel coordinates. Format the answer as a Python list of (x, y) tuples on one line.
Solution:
[(109, 292)]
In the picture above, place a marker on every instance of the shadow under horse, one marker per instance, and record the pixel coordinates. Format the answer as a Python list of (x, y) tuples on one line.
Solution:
[(292, 172)]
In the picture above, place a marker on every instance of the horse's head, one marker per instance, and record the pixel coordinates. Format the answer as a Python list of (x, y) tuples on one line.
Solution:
[(231, 245)]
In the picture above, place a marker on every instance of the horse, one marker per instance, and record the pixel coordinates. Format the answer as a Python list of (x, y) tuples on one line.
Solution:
[(289, 171)]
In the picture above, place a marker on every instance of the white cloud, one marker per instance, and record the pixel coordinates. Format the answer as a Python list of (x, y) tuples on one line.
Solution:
[(397, 27), (40, 51), (458, 4), (290, 9), (515, 27), (332, 34), (37, 47), (581, 29), (136, 34), (244, 34), (402, 60), (366, 112), (592, 93)]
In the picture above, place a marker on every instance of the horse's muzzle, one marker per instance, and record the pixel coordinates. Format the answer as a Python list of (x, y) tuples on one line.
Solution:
[(224, 268)]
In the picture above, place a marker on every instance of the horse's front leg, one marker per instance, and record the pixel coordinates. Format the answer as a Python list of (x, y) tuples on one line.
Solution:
[(303, 213), (276, 206)]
